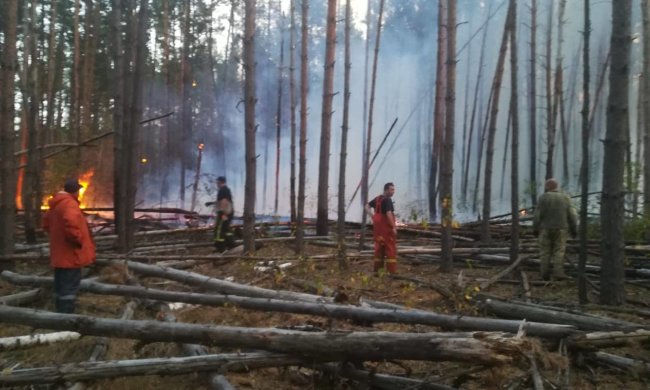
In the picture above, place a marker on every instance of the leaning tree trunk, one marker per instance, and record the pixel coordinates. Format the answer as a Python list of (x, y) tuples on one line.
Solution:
[(249, 118), (7, 134), (584, 167), (371, 106), (304, 89), (532, 112), (447, 161), (646, 112), (612, 277), (492, 128), (292, 98), (438, 111), (343, 264), (514, 162), (326, 122)]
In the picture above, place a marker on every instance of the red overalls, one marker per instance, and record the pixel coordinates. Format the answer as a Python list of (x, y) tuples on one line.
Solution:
[(385, 246)]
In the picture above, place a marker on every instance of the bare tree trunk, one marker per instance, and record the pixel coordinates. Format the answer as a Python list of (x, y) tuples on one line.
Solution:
[(31, 204), (278, 121), (364, 115), (584, 167), (76, 82), (612, 277), (7, 134), (186, 100), (646, 112), (470, 141), (249, 101), (447, 161), (304, 89), (373, 85), (558, 109), (292, 97), (514, 161), (494, 108), (439, 110), (550, 119), (326, 121), (343, 264), (532, 95)]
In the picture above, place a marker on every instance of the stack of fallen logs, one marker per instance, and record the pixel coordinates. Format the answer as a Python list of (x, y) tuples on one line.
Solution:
[(485, 341), (522, 336)]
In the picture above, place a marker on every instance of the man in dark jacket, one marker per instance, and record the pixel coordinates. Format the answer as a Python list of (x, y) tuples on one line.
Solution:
[(555, 217), (223, 237), (71, 244)]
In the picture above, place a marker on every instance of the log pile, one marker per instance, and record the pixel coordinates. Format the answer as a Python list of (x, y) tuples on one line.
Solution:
[(494, 333)]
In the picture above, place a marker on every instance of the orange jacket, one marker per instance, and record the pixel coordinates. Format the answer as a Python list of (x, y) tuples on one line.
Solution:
[(71, 245)]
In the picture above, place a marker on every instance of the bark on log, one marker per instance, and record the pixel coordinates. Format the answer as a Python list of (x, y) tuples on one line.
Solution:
[(33, 340), (379, 381), (222, 286), (541, 314), (503, 273), (21, 297), (355, 313), (634, 365), (137, 367), (609, 339), (490, 348)]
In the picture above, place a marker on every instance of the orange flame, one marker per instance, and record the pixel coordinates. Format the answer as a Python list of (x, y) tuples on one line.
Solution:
[(84, 180)]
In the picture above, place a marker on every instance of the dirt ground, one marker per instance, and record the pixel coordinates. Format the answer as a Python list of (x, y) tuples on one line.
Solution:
[(356, 282)]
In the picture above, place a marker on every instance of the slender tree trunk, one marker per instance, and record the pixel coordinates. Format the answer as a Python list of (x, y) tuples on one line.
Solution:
[(326, 121), (7, 134), (470, 141), (343, 264), (278, 121), (506, 149), (76, 82), (439, 110), (364, 115), (186, 100), (371, 106), (558, 109), (532, 96), (612, 277), (447, 161), (249, 101), (492, 128), (514, 161), (304, 89), (584, 167), (292, 97), (550, 119), (646, 112)]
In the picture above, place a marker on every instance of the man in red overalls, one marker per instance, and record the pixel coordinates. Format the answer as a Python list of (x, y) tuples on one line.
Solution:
[(384, 229)]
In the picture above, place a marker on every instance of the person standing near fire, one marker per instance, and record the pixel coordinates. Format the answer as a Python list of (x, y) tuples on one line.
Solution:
[(555, 217), (223, 237), (71, 244), (384, 230)]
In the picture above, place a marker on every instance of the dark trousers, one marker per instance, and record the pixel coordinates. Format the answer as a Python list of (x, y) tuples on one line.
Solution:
[(223, 237), (66, 286)]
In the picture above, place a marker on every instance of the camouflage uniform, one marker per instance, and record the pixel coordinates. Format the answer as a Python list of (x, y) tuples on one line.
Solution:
[(555, 217)]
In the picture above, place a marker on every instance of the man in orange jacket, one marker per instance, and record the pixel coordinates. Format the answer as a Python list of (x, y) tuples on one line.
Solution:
[(71, 244), (384, 229)]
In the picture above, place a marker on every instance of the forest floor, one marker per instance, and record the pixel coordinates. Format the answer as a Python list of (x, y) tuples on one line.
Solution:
[(356, 282)]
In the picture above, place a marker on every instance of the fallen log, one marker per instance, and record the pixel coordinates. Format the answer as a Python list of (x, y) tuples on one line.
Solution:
[(214, 284), (21, 298), (609, 339), (74, 372), (33, 340), (624, 363), (379, 381), (349, 312), (532, 312), (503, 273), (489, 348)]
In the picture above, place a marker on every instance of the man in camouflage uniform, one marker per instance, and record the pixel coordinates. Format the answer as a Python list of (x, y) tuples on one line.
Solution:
[(555, 218)]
